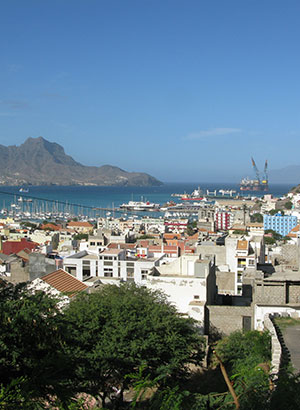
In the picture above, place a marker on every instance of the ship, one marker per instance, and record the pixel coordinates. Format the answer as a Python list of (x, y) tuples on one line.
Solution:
[(258, 184), (196, 195), (140, 206)]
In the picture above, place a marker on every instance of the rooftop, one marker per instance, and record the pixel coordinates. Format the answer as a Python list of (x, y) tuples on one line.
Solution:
[(64, 282)]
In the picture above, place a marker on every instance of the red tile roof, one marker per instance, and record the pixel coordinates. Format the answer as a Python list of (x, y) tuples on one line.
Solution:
[(76, 224), (51, 226), (64, 282), (9, 247), (114, 245)]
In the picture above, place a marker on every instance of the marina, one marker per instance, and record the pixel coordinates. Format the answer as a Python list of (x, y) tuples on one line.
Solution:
[(59, 202)]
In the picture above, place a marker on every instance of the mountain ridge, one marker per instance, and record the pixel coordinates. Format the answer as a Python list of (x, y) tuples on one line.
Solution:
[(38, 161)]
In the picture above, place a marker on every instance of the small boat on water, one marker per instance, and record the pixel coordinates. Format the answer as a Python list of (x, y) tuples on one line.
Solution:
[(24, 190)]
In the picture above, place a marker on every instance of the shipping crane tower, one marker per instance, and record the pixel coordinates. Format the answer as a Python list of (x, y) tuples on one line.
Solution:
[(258, 184)]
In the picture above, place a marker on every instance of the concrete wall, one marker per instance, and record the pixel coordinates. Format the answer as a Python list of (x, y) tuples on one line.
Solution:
[(180, 291), (227, 319), (261, 311), (184, 265), (213, 250), (270, 294)]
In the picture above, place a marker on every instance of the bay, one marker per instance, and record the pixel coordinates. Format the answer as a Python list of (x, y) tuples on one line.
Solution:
[(112, 196)]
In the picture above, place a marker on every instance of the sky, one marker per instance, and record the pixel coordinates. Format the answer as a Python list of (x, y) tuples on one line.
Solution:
[(186, 90)]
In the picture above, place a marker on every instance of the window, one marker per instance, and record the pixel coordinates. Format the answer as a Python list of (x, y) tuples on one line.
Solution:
[(92, 243), (196, 297), (108, 272)]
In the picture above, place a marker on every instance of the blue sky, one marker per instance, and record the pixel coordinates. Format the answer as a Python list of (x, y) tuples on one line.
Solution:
[(184, 90)]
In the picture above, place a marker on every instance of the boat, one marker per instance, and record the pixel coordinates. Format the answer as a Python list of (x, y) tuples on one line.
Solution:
[(140, 206), (196, 195), (25, 190)]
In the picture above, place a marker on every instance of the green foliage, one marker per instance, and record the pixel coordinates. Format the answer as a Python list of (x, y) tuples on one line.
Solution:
[(17, 395), (275, 211), (245, 356), (29, 224), (287, 393), (269, 240), (239, 232), (191, 228), (257, 217), (31, 341), (247, 348), (288, 205), (55, 240), (275, 237), (118, 329), (146, 236), (81, 236), (170, 398)]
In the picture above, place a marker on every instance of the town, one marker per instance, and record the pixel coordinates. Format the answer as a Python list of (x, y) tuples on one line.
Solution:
[(228, 265)]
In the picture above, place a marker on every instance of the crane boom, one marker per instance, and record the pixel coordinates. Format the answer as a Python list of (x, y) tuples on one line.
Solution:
[(266, 170), (256, 170)]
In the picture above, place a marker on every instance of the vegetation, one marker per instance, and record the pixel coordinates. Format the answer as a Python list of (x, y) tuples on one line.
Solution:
[(271, 240), (31, 344), (146, 236), (257, 217), (284, 322), (128, 337), (95, 346), (28, 224), (55, 241), (191, 228), (81, 236), (115, 331), (239, 232), (288, 205), (275, 211)]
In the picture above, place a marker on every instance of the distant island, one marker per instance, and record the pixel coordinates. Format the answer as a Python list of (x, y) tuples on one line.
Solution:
[(40, 162)]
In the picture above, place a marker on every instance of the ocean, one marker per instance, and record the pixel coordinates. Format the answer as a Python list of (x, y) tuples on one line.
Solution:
[(112, 197)]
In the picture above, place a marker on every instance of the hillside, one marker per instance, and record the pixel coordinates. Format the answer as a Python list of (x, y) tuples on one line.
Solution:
[(40, 162)]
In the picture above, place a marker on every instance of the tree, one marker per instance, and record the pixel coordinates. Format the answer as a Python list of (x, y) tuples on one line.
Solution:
[(246, 357), (288, 205), (31, 341), (117, 330), (80, 236), (55, 240), (191, 228), (257, 217)]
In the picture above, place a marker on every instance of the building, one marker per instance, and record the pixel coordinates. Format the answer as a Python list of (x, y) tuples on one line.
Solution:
[(243, 252), (223, 220), (112, 265), (189, 283), (282, 224)]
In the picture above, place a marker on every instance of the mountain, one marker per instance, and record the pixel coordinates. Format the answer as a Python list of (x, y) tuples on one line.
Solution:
[(40, 162), (288, 175)]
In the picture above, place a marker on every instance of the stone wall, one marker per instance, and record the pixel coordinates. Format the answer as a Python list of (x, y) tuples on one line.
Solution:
[(276, 347)]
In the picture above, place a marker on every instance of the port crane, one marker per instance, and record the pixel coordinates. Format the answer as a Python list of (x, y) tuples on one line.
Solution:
[(261, 181), (256, 170), (258, 184), (265, 180)]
